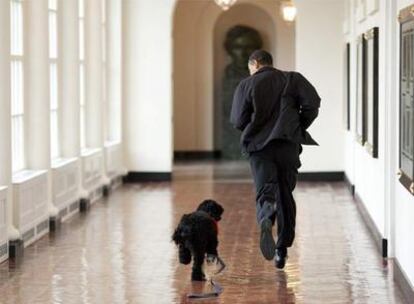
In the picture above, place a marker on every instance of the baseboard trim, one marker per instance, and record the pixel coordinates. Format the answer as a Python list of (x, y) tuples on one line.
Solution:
[(140, 177), (351, 186), (196, 155), (382, 243), (330, 176), (401, 278)]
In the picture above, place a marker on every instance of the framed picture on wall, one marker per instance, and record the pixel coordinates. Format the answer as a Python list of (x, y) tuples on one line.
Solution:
[(360, 123), (347, 80), (371, 96), (406, 149), (372, 6)]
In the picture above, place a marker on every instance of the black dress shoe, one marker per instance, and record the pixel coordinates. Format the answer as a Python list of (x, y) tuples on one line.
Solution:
[(267, 243), (280, 257)]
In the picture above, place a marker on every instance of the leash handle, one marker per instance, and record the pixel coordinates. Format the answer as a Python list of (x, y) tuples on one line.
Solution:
[(216, 287), (217, 291)]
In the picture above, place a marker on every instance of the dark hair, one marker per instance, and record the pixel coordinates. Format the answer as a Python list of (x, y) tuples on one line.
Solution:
[(262, 57)]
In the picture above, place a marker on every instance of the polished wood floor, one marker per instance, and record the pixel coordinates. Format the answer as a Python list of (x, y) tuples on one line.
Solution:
[(120, 251)]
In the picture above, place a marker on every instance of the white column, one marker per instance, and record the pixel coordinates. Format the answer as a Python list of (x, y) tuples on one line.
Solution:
[(114, 62), (5, 114), (37, 90), (112, 108), (147, 85), (93, 68), (5, 120), (69, 115), (37, 98)]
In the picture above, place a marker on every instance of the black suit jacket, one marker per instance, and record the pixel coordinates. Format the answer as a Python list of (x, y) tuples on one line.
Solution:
[(272, 104)]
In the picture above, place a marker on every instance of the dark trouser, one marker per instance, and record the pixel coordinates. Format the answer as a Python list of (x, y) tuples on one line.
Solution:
[(275, 170)]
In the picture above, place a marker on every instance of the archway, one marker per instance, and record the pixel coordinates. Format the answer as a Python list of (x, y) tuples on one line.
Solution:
[(196, 56)]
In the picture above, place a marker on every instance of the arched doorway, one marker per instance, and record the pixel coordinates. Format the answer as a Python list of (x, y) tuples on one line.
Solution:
[(198, 27)]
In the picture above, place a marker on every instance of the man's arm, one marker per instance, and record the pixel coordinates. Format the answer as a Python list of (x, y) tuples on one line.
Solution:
[(309, 100), (241, 109)]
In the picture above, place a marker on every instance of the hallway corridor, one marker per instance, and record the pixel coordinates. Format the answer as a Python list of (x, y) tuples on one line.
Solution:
[(120, 251)]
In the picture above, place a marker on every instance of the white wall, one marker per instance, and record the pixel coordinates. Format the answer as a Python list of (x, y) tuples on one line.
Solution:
[(147, 79), (319, 58), (389, 204), (365, 172)]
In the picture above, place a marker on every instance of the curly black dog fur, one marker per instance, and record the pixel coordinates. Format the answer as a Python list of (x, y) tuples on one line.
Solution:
[(196, 235)]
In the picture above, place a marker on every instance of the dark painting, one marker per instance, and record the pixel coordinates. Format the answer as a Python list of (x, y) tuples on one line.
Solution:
[(371, 83)]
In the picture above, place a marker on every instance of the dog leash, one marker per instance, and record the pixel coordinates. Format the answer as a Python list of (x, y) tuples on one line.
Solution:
[(217, 289)]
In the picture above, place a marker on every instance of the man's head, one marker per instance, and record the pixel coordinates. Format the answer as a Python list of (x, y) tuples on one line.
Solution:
[(259, 59)]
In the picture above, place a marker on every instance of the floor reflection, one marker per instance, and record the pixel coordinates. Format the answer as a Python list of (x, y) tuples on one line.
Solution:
[(120, 252)]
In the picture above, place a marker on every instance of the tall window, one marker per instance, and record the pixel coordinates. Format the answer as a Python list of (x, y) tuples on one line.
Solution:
[(82, 72), (53, 67), (17, 84)]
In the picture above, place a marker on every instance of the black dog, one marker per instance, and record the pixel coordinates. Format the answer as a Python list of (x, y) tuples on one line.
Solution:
[(196, 236)]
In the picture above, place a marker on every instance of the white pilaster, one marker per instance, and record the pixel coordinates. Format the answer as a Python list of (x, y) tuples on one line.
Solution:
[(69, 78), (5, 118), (37, 99), (113, 107), (114, 62), (37, 89), (93, 65)]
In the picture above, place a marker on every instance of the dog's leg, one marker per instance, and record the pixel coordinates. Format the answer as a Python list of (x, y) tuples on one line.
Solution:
[(198, 260), (212, 244), (184, 255)]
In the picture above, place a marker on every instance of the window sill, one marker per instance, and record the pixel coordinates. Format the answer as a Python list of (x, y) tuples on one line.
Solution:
[(23, 176), (112, 143), (90, 151), (61, 162)]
